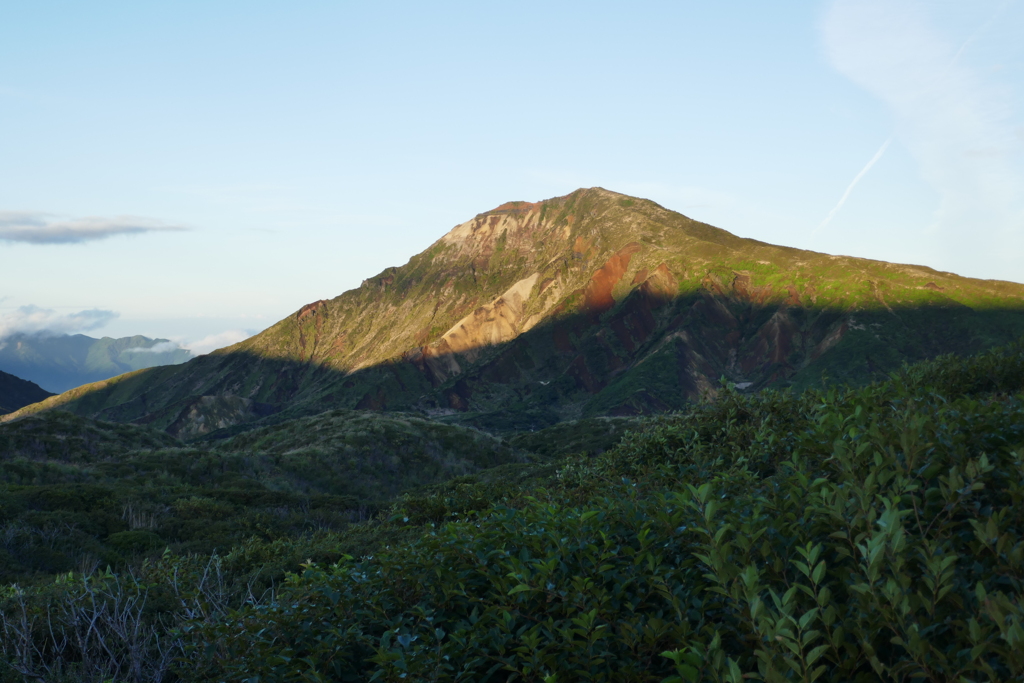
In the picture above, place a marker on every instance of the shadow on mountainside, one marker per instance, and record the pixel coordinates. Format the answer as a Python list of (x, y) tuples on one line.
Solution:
[(16, 393), (652, 351)]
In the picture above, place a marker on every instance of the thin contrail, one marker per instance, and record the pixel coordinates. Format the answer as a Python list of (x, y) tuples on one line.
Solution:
[(842, 200)]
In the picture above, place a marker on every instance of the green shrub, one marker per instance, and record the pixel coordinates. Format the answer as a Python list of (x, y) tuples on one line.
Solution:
[(842, 536), (134, 541), (839, 535)]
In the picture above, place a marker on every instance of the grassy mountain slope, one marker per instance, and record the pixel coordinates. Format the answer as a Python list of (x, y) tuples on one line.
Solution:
[(60, 363), (579, 306), (17, 393)]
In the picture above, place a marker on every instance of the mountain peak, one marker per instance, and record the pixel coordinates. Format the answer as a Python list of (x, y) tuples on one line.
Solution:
[(539, 230), (594, 303)]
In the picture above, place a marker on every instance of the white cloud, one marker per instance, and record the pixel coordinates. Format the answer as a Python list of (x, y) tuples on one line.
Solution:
[(33, 320), (955, 119), (207, 344), (160, 347), (36, 320), (42, 228), (217, 341)]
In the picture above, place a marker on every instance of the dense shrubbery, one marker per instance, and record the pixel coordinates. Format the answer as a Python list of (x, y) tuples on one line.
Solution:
[(842, 535), (60, 436), (79, 493), (190, 501), (590, 436)]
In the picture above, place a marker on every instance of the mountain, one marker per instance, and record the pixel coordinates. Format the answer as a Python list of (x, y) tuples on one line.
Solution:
[(63, 362), (591, 304), (16, 393)]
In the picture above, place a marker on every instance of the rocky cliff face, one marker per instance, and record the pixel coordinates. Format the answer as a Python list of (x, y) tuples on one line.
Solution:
[(589, 304)]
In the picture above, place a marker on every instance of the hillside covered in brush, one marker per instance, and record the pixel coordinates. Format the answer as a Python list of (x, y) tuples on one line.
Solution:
[(847, 534), (580, 306), (79, 492)]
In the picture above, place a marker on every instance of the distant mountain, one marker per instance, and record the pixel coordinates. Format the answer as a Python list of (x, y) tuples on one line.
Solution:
[(59, 363), (591, 304), (17, 393)]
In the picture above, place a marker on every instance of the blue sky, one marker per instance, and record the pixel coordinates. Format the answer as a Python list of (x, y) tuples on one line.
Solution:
[(199, 170)]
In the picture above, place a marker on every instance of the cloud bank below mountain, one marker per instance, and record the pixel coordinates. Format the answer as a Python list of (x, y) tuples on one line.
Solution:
[(217, 341), (202, 346)]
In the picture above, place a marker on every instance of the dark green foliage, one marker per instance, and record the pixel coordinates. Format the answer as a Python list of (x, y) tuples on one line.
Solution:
[(65, 437), (857, 535), (506, 484), (134, 541), (80, 493), (590, 436), (367, 455), (841, 535)]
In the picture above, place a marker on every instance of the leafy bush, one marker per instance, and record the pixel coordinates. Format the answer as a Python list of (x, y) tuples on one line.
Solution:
[(844, 536), (839, 535), (80, 493)]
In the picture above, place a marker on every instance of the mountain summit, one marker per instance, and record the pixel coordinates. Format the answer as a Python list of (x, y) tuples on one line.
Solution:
[(595, 303)]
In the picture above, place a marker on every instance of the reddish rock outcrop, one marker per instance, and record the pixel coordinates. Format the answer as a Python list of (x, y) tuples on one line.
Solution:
[(597, 297), (310, 309)]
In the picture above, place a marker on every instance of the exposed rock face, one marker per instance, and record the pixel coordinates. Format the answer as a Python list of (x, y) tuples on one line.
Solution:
[(593, 303), (492, 324), (597, 297)]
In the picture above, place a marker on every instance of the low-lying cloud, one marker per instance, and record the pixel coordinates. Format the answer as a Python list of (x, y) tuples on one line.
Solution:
[(34, 320), (43, 228), (217, 341), (159, 347), (46, 321), (207, 344)]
